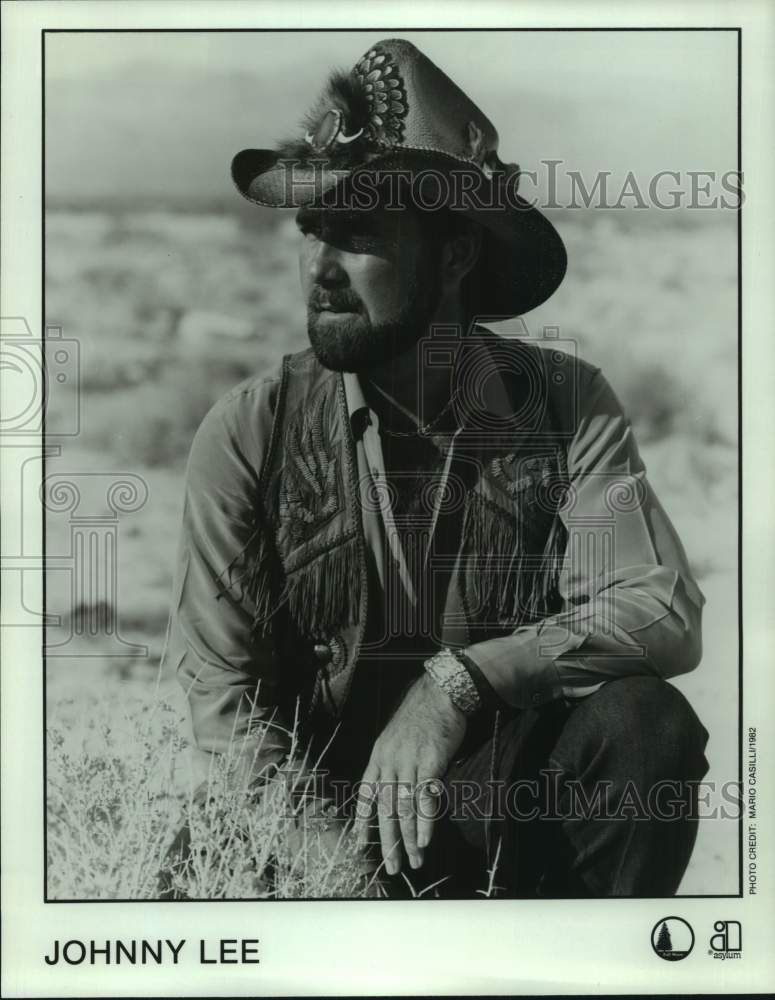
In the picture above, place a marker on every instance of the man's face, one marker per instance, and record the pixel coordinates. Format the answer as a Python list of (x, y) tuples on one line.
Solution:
[(371, 285)]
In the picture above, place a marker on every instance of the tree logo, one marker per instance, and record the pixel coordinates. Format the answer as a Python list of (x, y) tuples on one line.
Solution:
[(672, 938)]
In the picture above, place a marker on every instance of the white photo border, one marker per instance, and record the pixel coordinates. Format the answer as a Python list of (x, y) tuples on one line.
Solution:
[(341, 947)]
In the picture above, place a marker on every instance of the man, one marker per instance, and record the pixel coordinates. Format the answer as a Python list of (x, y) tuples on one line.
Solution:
[(434, 548)]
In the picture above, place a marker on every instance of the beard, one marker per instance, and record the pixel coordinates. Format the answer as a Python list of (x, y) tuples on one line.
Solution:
[(352, 343)]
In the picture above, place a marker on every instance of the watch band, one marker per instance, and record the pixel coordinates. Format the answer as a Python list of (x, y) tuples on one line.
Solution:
[(453, 677)]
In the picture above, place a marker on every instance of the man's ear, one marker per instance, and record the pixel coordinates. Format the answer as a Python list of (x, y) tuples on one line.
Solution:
[(461, 253)]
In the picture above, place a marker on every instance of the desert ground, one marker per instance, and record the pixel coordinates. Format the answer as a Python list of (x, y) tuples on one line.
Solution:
[(171, 309)]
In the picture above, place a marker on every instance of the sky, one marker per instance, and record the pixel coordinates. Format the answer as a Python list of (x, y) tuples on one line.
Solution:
[(159, 115)]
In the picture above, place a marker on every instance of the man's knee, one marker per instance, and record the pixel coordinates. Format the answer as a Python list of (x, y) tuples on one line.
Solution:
[(650, 703), (648, 722)]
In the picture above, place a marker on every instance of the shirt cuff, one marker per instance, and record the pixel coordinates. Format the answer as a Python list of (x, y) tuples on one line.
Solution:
[(521, 669), (485, 690)]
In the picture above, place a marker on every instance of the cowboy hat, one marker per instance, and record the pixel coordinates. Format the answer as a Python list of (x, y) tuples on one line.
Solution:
[(396, 110)]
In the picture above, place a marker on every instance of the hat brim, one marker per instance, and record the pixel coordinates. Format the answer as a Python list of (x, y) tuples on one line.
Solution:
[(523, 258)]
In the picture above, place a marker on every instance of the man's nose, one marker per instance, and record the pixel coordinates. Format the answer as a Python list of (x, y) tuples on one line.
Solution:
[(325, 265)]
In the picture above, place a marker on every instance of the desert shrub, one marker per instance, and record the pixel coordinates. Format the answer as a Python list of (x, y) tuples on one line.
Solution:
[(653, 398), (109, 801), (157, 442), (115, 801), (153, 423), (117, 365), (119, 793)]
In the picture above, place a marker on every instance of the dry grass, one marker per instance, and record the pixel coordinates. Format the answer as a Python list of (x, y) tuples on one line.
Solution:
[(111, 800), (118, 795)]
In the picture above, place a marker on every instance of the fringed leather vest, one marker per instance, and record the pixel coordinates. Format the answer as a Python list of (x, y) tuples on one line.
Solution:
[(308, 569)]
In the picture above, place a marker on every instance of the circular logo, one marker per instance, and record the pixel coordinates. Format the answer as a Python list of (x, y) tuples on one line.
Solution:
[(672, 938)]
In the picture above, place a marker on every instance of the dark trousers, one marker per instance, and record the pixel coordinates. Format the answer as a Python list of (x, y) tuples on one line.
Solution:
[(595, 797), (591, 798)]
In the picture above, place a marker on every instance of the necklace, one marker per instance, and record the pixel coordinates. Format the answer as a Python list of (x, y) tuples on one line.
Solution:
[(422, 429)]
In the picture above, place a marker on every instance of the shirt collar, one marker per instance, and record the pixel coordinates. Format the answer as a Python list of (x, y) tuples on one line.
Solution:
[(353, 393), (488, 387)]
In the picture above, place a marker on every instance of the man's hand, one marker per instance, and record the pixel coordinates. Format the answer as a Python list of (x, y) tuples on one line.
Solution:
[(416, 746)]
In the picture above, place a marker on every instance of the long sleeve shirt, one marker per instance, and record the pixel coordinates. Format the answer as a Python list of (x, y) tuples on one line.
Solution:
[(630, 604)]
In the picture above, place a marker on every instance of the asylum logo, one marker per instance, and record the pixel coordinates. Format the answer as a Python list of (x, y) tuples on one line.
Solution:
[(727, 942)]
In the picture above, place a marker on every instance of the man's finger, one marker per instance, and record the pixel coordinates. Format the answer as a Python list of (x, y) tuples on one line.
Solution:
[(365, 805), (389, 830), (407, 818), (431, 794)]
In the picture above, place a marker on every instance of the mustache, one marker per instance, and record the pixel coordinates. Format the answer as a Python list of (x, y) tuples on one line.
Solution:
[(338, 300)]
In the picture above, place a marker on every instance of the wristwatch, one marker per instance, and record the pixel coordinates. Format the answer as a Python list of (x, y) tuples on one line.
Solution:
[(452, 676)]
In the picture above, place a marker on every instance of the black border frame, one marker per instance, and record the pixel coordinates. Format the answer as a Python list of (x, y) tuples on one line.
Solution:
[(397, 31)]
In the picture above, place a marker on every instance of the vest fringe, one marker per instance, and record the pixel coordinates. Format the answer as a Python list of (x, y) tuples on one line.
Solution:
[(325, 594), (499, 588), (544, 596), (489, 536)]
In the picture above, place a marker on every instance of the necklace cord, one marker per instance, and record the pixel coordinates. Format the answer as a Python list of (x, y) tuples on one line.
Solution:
[(422, 429)]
